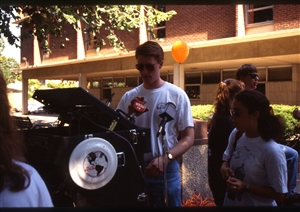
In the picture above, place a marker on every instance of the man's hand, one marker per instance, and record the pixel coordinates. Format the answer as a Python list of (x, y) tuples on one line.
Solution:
[(156, 167), (226, 171)]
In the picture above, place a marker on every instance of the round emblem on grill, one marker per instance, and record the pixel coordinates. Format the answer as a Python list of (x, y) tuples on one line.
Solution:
[(93, 163)]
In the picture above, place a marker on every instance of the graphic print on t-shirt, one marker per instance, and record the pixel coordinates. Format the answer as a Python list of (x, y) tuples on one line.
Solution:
[(241, 155)]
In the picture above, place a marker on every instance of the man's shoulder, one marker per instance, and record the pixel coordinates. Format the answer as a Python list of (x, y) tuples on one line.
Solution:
[(173, 87), (133, 91)]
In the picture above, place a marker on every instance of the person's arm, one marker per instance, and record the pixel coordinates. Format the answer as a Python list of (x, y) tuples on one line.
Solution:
[(236, 185), (184, 144), (155, 167), (226, 171)]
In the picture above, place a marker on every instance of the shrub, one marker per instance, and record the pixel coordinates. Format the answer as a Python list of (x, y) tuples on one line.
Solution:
[(203, 112), (285, 111)]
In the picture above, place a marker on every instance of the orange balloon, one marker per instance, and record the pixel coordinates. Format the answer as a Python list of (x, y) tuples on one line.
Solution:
[(180, 51)]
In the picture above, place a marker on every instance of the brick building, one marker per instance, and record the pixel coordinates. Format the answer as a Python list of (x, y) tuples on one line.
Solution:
[(220, 39)]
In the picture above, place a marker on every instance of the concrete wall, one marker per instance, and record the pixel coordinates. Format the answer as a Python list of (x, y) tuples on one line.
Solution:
[(194, 164), (119, 92), (285, 92), (194, 172)]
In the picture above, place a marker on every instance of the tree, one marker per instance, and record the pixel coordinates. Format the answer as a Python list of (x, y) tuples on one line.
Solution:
[(9, 66), (42, 21), (6, 14)]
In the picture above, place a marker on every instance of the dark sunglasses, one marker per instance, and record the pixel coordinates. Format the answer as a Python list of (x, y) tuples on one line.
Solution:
[(236, 113), (254, 75), (149, 67)]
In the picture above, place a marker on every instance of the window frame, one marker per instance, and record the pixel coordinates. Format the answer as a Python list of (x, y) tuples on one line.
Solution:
[(248, 11)]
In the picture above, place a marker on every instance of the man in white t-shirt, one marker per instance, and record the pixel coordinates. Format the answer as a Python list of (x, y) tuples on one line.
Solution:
[(164, 100)]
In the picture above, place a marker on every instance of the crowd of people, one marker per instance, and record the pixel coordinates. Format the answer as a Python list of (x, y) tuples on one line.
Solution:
[(246, 164), (255, 168), (247, 74)]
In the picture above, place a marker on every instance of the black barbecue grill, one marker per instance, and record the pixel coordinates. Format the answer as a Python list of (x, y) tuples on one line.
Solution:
[(94, 156)]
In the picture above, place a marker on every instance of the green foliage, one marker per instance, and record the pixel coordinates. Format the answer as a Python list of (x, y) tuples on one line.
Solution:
[(2, 46), (62, 84), (6, 14), (50, 19), (202, 112), (9, 66), (33, 84), (285, 111), (116, 84)]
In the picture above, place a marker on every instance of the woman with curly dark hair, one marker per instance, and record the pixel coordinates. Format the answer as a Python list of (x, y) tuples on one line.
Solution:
[(255, 170), (20, 183)]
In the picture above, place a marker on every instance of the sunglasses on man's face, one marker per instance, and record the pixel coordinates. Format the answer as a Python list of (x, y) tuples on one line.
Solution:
[(149, 66), (236, 113), (254, 76)]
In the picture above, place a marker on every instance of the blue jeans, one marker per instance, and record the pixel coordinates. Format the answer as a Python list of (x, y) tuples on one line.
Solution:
[(155, 187), (292, 166)]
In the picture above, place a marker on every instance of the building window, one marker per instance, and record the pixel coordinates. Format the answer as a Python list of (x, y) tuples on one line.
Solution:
[(164, 77), (257, 14), (193, 92), (210, 77), (131, 81), (158, 31), (192, 85), (228, 74), (262, 74), (107, 82), (279, 74), (95, 84), (170, 78), (118, 82), (194, 78), (167, 77)]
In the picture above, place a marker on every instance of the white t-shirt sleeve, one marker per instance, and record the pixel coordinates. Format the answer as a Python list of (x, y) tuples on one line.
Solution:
[(36, 195), (229, 149)]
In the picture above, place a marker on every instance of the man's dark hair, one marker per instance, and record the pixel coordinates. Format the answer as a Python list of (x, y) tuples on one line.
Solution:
[(150, 48), (245, 70)]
